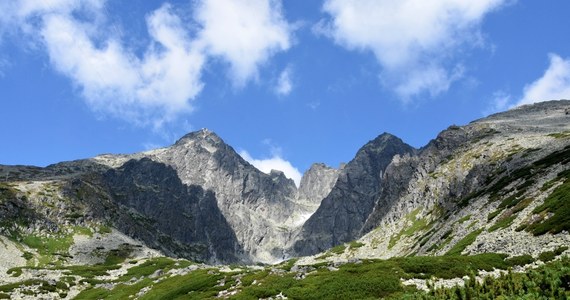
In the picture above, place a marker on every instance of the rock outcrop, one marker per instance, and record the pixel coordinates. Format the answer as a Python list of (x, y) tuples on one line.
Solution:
[(344, 211)]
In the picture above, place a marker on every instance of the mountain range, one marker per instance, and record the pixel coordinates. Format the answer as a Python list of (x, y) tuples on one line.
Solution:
[(499, 184)]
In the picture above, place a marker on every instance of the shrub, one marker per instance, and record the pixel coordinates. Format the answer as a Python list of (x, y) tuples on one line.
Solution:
[(520, 260), (463, 243)]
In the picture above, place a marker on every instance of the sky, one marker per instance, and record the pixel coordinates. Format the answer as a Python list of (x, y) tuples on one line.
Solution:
[(285, 83)]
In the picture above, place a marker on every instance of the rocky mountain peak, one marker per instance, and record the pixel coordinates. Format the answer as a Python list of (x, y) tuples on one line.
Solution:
[(344, 210), (203, 135), (382, 142), (317, 183)]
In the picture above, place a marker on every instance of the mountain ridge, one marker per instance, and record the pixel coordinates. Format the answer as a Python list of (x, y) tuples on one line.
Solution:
[(268, 218)]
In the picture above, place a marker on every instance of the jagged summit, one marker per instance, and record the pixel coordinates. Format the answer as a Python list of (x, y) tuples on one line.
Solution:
[(203, 134)]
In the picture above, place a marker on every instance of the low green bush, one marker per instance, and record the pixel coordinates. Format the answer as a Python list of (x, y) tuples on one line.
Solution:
[(463, 243)]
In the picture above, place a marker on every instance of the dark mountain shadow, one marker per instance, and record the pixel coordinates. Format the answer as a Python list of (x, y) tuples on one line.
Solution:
[(342, 214), (146, 200)]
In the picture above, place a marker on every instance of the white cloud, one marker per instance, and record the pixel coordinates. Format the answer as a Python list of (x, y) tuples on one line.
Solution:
[(284, 83), (276, 162), (553, 85), (416, 37), (245, 33), (4, 64), (157, 85), (500, 101), (431, 79), (149, 89)]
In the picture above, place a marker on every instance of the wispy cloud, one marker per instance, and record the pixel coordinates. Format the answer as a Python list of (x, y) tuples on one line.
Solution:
[(500, 101), (284, 83), (416, 37), (4, 65), (160, 84)]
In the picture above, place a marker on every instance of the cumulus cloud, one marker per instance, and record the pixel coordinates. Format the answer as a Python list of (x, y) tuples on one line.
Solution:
[(284, 83), (414, 37), (158, 84), (244, 33), (115, 80), (553, 85), (275, 162)]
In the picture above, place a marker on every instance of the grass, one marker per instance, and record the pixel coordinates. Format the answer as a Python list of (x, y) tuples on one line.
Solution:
[(369, 279), (464, 242), (502, 223), (557, 203), (417, 225), (560, 135), (546, 282), (49, 248), (525, 173), (550, 255), (83, 231), (104, 229), (338, 249), (90, 271), (120, 291), (492, 215), (200, 284), (123, 290), (464, 219), (355, 245), (10, 287), (520, 260), (152, 265), (522, 205), (287, 265)]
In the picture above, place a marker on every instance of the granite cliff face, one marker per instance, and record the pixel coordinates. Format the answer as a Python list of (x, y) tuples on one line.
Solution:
[(489, 182), (343, 212)]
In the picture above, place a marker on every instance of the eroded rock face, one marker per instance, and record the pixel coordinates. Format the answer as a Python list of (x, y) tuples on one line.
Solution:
[(344, 211), (176, 218), (317, 183), (255, 204)]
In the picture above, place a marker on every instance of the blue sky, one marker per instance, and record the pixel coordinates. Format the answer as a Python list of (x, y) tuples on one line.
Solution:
[(286, 83)]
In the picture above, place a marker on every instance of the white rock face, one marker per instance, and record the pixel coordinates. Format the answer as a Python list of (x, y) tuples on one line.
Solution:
[(10, 257), (316, 184)]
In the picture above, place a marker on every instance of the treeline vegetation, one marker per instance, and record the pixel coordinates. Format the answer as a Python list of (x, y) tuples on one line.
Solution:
[(550, 281)]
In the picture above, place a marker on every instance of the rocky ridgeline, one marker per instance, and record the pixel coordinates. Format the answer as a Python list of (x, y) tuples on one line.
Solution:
[(197, 199), (498, 184), (475, 188)]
